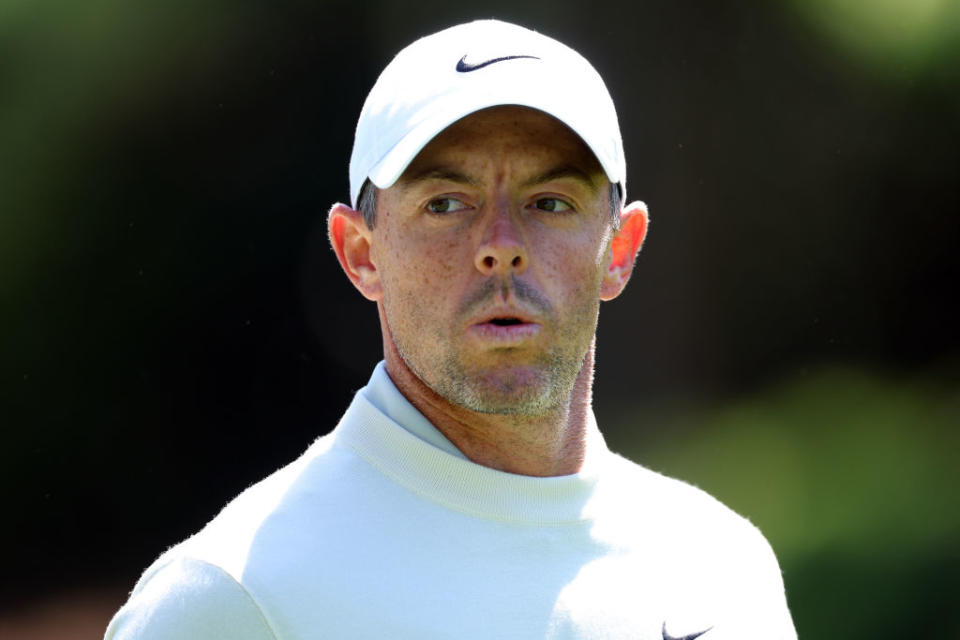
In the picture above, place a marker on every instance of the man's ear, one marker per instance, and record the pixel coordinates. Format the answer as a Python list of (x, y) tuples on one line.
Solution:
[(351, 240), (624, 248)]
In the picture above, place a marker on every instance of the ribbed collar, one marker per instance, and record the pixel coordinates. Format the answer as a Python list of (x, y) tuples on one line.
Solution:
[(457, 483)]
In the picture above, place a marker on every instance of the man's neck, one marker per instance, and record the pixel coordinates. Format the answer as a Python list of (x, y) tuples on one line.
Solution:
[(552, 444)]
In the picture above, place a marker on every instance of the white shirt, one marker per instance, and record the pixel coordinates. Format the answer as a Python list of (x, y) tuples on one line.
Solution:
[(382, 529)]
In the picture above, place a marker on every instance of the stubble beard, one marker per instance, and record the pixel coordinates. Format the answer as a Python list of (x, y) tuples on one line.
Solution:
[(533, 387)]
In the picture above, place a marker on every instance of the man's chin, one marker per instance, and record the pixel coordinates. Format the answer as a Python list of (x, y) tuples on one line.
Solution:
[(513, 391)]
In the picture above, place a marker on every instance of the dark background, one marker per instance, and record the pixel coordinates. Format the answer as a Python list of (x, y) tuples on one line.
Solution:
[(173, 325)]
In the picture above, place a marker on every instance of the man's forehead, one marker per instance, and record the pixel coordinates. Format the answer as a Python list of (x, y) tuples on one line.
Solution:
[(450, 173)]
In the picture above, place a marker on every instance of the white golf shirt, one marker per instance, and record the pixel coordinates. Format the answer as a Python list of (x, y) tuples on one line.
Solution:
[(383, 529)]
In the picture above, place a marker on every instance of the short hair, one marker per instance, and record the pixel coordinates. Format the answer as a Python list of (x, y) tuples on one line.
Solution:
[(367, 204)]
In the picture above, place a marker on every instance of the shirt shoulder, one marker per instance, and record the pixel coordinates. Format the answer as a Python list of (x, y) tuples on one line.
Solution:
[(226, 540), (678, 506), (188, 598), (705, 551), (199, 588)]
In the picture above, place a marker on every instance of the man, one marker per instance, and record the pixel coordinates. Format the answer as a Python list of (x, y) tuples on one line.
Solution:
[(467, 491)]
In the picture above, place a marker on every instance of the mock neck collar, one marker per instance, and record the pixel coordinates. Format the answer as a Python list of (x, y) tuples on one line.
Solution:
[(386, 398), (401, 443)]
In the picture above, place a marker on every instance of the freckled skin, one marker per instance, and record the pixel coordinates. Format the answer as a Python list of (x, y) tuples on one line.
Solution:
[(504, 212), (432, 288)]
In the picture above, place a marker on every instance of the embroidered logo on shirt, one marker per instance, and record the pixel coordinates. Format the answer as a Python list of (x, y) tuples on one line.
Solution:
[(667, 636)]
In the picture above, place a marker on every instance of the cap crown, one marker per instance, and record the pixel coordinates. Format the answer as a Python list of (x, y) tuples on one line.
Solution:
[(443, 77)]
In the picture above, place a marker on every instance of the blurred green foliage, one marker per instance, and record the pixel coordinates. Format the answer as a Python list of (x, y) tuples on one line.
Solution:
[(899, 39), (71, 74)]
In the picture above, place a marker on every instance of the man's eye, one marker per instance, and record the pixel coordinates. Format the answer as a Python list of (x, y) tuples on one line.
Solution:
[(552, 204), (445, 205)]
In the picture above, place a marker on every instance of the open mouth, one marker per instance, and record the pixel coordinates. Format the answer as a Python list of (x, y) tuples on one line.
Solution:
[(506, 322), (506, 329)]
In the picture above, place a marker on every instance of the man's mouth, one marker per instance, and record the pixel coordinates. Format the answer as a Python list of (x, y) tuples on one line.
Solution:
[(505, 328)]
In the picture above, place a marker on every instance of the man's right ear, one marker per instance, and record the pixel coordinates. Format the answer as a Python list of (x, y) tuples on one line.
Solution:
[(352, 240)]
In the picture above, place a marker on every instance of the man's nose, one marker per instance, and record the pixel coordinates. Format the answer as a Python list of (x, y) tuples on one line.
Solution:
[(502, 250)]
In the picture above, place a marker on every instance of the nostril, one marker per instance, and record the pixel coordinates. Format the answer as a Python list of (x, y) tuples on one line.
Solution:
[(516, 261), (488, 262)]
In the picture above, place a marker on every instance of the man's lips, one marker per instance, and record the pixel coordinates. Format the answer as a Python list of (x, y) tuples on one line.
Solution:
[(503, 316), (505, 326)]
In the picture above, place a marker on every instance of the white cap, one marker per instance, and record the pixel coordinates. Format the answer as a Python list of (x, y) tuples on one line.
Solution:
[(443, 77)]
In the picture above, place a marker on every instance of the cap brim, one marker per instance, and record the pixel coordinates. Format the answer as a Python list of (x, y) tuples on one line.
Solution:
[(389, 169)]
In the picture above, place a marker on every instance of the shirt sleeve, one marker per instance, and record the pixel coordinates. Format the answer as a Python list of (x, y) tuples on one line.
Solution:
[(188, 598)]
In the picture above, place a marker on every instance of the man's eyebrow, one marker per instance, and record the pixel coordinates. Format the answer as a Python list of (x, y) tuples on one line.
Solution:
[(438, 173), (563, 171)]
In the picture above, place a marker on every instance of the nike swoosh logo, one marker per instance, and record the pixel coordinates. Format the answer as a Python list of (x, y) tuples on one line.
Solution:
[(667, 636), (465, 67)]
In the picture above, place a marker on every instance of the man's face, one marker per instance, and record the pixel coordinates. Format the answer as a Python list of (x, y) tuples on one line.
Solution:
[(491, 250)]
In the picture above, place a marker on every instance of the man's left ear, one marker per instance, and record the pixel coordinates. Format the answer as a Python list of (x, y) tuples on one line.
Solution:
[(624, 247)]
